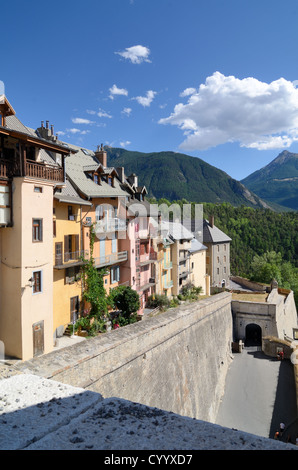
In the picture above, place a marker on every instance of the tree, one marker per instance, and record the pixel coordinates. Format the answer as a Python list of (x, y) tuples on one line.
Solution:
[(94, 292), (127, 300)]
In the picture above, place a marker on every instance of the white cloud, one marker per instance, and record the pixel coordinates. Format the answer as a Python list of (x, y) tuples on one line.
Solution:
[(125, 144), (102, 113), (146, 100), (136, 54), (188, 91), (226, 109), (114, 90), (74, 130), (126, 111), (90, 111), (82, 121)]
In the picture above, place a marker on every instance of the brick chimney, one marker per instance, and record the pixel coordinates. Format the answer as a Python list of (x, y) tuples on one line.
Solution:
[(101, 155), (211, 220)]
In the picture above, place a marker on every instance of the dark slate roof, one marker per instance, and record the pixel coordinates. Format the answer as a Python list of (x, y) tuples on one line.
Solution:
[(213, 234)]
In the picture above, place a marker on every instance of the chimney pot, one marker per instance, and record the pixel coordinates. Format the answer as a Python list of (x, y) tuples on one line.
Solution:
[(47, 124), (101, 154)]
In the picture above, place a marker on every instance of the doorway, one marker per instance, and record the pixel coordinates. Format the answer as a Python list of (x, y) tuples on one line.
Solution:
[(38, 338), (253, 335)]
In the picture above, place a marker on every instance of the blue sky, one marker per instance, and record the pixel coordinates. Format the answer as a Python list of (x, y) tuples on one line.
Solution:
[(212, 79)]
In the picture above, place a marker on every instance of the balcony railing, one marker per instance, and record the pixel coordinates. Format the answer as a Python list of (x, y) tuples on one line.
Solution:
[(6, 169), (147, 258), (168, 284), (110, 225), (68, 259), (32, 169), (167, 265), (145, 284), (44, 171), (113, 258)]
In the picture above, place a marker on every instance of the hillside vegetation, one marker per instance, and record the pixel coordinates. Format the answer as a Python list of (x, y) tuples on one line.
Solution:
[(173, 175), (277, 182), (264, 243)]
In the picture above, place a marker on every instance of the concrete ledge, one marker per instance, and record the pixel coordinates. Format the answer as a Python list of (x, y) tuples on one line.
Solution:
[(41, 414)]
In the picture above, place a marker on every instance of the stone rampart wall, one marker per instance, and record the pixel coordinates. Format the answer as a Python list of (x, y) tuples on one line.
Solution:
[(176, 361)]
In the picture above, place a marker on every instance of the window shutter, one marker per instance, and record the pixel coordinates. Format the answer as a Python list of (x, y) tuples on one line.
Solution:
[(66, 248), (77, 246)]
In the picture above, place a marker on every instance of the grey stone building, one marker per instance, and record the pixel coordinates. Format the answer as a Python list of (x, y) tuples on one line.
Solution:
[(218, 254)]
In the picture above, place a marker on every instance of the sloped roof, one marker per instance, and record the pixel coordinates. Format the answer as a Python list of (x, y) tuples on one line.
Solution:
[(69, 195), (213, 234), (76, 165), (176, 230), (196, 246)]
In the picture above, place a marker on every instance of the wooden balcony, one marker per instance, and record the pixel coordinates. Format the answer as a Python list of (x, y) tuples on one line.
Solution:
[(6, 169), (44, 171), (36, 170)]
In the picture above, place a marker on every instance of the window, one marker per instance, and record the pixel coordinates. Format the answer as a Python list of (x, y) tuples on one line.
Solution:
[(98, 213), (115, 274), (71, 247), (70, 213), (72, 274), (58, 253), (37, 230), (37, 189), (54, 228), (37, 286), (74, 308)]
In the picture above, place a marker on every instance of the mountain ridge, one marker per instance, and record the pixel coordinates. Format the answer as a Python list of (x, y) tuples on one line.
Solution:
[(177, 176), (277, 182)]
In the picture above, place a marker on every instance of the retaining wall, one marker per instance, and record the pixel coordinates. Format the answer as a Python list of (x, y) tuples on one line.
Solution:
[(176, 361)]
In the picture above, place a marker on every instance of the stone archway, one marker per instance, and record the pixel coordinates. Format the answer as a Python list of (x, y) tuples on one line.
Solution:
[(253, 335)]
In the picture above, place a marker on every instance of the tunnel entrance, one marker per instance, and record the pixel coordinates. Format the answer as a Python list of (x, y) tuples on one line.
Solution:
[(253, 335)]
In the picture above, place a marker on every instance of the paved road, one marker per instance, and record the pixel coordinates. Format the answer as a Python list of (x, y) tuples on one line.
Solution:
[(259, 394)]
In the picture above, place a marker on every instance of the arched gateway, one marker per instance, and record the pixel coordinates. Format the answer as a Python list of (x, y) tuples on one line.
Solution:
[(253, 335)]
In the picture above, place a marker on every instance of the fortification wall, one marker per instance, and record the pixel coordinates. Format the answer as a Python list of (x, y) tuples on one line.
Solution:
[(176, 361)]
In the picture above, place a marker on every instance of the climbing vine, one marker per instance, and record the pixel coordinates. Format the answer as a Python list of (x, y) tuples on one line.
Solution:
[(94, 293)]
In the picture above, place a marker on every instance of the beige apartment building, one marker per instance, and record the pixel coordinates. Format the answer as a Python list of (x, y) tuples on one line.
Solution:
[(28, 178)]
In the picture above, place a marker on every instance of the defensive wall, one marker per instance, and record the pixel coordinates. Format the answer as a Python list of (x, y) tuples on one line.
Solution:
[(176, 361)]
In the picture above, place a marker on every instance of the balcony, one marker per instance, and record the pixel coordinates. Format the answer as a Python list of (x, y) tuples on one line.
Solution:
[(6, 169), (168, 284), (147, 258), (167, 265), (110, 225), (145, 284), (70, 259), (32, 169), (112, 258), (44, 171)]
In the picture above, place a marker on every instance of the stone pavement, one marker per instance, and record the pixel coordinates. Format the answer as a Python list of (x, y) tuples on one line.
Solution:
[(37, 413)]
